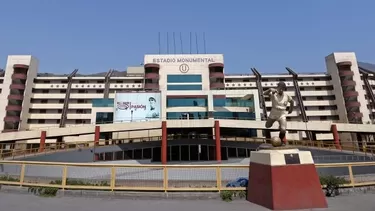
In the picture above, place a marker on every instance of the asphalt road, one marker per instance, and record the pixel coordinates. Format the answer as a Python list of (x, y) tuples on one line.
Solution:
[(27, 202)]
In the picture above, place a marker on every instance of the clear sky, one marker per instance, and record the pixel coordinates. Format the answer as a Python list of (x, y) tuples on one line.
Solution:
[(96, 35)]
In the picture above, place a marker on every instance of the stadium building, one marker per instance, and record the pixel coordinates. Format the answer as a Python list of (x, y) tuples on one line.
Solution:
[(188, 89)]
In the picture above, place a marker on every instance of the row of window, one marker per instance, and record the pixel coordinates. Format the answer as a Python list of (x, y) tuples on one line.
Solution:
[(202, 102), (184, 78), (190, 87), (216, 115)]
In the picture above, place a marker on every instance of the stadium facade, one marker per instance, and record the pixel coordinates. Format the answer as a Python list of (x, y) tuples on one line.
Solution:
[(183, 87)]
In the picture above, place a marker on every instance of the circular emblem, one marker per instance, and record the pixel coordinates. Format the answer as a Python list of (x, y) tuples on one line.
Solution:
[(184, 68)]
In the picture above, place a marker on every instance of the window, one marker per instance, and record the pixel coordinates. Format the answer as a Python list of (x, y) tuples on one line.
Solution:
[(44, 101), (41, 121), (186, 102), (234, 115), (184, 87), (184, 78), (233, 102), (102, 102), (104, 117), (187, 115)]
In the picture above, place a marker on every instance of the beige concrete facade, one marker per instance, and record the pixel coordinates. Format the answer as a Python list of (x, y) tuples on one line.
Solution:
[(44, 95)]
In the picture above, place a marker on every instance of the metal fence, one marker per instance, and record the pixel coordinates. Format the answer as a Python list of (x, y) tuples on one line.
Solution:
[(114, 177)]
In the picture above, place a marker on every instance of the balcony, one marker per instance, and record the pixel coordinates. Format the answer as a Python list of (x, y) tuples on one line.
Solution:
[(19, 76), (353, 104), (13, 108), (348, 94), (215, 65), (152, 65), (152, 86), (355, 115), (15, 97), (345, 73), (17, 86), (152, 76), (217, 85), (216, 75), (11, 119), (20, 66), (344, 64), (348, 83)]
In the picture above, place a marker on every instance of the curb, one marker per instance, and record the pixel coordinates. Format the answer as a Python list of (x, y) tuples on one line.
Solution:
[(156, 195), (119, 194)]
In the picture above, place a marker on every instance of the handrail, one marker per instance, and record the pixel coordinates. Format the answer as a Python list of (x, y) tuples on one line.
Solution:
[(151, 178), (26, 150)]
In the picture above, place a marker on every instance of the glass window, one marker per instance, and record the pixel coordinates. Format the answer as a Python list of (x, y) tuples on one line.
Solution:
[(184, 87), (102, 102), (187, 115), (234, 115), (104, 117), (186, 102), (184, 78), (233, 102)]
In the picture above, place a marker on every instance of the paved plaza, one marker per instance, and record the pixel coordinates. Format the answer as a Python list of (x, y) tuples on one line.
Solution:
[(28, 202)]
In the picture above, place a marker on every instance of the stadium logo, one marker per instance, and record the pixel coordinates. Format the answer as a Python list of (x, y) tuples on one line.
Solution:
[(184, 68), (129, 105)]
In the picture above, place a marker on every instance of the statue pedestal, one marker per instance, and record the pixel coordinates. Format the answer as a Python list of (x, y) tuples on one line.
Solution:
[(284, 179)]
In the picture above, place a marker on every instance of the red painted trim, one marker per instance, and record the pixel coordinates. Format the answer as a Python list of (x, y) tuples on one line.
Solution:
[(20, 66), (336, 137), (164, 143), (217, 141), (151, 65), (213, 65), (97, 135), (43, 135), (287, 187)]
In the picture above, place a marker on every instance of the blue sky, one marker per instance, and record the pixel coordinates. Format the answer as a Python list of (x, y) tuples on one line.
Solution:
[(96, 35)]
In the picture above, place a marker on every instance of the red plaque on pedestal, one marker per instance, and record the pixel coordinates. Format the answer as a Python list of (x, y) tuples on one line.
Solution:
[(284, 179)]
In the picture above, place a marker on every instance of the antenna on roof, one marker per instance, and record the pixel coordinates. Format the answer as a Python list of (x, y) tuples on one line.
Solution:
[(182, 47), (167, 43), (159, 43), (190, 42), (196, 42), (204, 42), (174, 44)]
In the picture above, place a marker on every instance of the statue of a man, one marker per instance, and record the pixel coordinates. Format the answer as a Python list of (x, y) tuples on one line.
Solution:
[(280, 101)]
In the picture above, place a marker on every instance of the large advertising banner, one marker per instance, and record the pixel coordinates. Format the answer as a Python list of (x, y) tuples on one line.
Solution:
[(135, 107)]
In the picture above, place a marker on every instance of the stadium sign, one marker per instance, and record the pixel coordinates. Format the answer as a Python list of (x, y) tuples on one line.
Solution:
[(183, 60)]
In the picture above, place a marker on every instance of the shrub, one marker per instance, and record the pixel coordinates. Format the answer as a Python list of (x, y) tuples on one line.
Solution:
[(331, 184), (8, 178), (44, 191), (227, 195)]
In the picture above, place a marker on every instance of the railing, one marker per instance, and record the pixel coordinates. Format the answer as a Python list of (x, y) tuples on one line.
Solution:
[(129, 120), (113, 177), (19, 150)]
